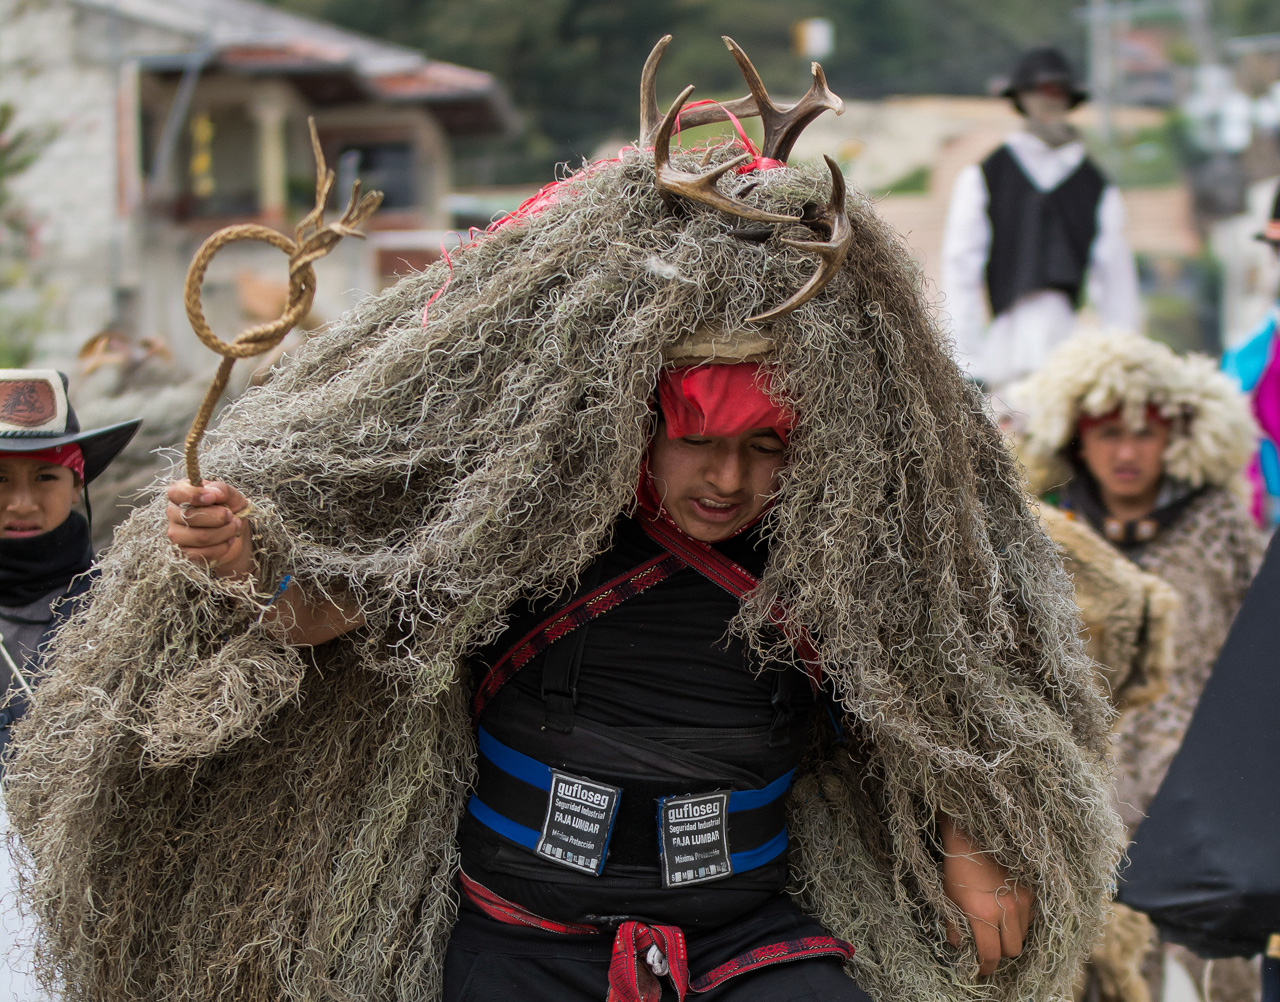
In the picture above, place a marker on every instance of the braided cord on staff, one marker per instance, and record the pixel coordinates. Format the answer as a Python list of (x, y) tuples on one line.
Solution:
[(311, 241)]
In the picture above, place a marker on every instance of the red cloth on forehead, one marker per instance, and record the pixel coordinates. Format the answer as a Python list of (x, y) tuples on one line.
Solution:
[(69, 456), (1087, 421), (719, 400)]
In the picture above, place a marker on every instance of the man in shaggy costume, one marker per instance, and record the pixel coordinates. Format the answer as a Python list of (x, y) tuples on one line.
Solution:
[(1194, 532), (211, 811)]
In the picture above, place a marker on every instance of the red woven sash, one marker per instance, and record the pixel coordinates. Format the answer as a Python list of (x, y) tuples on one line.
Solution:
[(644, 952)]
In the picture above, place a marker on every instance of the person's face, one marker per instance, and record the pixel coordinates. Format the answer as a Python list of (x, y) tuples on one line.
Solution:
[(1047, 104), (712, 486), (35, 496), (1127, 464)]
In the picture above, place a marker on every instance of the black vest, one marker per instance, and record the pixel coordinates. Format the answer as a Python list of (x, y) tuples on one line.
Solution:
[(1039, 239)]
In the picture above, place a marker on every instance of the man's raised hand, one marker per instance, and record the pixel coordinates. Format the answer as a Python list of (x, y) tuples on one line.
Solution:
[(207, 524)]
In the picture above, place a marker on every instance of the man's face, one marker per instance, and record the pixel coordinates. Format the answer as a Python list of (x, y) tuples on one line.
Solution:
[(1046, 104), (1126, 463), (35, 496), (712, 486)]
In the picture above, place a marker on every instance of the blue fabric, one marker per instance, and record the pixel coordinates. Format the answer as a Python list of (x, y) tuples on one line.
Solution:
[(1245, 363), (504, 826), (1269, 462), (749, 800), (514, 763), (761, 854)]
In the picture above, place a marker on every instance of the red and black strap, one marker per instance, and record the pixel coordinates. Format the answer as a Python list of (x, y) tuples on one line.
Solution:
[(565, 620), (733, 578), (507, 912), (634, 969), (679, 550), (805, 948)]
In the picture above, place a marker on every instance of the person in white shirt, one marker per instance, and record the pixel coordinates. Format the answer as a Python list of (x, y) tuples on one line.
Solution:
[(1031, 232)]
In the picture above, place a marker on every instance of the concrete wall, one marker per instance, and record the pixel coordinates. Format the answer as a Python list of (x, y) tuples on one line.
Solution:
[(71, 191), (105, 257)]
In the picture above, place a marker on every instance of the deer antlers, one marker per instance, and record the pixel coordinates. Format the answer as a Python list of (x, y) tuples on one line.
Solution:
[(782, 126), (833, 251), (702, 187)]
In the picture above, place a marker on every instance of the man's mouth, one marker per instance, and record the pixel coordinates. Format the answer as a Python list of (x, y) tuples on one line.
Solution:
[(713, 510), (18, 530)]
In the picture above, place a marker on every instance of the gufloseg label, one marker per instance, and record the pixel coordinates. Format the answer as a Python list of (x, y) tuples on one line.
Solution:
[(693, 836), (579, 821)]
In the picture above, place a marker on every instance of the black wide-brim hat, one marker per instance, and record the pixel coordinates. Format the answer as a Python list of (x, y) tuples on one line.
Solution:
[(1271, 232), (36, 415), (1045, 65)]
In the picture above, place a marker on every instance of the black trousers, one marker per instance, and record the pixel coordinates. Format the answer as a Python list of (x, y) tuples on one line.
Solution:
[(489, 961)]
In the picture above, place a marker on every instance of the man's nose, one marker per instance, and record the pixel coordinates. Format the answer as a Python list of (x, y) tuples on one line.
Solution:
[(1126, 449), (727, 471)]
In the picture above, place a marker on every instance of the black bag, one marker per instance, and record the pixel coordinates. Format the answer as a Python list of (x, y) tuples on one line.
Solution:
[(1205, 864)]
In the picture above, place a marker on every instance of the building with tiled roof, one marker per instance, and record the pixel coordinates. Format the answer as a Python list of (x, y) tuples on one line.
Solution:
[(174, 117)]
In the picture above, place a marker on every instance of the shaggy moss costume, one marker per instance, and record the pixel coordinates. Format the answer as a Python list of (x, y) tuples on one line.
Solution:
[(211, 813)]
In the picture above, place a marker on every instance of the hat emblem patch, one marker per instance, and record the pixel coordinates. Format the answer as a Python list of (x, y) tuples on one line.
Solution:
[(27, 403)]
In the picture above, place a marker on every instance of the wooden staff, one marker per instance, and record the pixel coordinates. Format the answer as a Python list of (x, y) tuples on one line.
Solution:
[(311, 241)]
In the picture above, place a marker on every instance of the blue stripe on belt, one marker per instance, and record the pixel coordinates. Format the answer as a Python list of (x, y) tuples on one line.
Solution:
[(536, 774)]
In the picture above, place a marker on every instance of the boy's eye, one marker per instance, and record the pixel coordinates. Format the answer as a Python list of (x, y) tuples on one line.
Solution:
[(692, 440)]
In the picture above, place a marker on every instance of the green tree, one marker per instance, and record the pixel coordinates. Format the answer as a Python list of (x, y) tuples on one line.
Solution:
[(572, 66), (1248, 17), (19, 149)]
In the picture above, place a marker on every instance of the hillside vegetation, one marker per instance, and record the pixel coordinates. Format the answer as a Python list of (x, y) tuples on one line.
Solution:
[(572, 66)]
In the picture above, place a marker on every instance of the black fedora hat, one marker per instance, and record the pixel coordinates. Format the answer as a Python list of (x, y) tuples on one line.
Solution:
[(35, 415), (1271, 232), (1045, 65)]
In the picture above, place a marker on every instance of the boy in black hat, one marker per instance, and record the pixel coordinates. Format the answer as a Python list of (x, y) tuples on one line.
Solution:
[(45, 463), (1035, 223)]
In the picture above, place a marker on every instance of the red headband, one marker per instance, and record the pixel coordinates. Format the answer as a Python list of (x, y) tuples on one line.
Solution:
[(1087, 421), (720, 400), (69, 456)]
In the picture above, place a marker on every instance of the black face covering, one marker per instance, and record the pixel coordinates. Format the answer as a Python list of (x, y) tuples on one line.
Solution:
[(31, 568)]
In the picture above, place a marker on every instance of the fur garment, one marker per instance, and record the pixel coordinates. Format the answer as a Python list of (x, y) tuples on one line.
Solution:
[(1094, 373), (209, 813), (1129, 615), (1208, 556)]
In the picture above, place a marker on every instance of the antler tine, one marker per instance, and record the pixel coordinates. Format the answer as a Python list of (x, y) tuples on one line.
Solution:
[(754, 83), (701, 187), (649, 120), (832, 253), (743, 107), (782, 126)]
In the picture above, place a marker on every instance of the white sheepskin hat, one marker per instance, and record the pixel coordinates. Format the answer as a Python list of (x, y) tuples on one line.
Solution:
[(1095, 372)]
